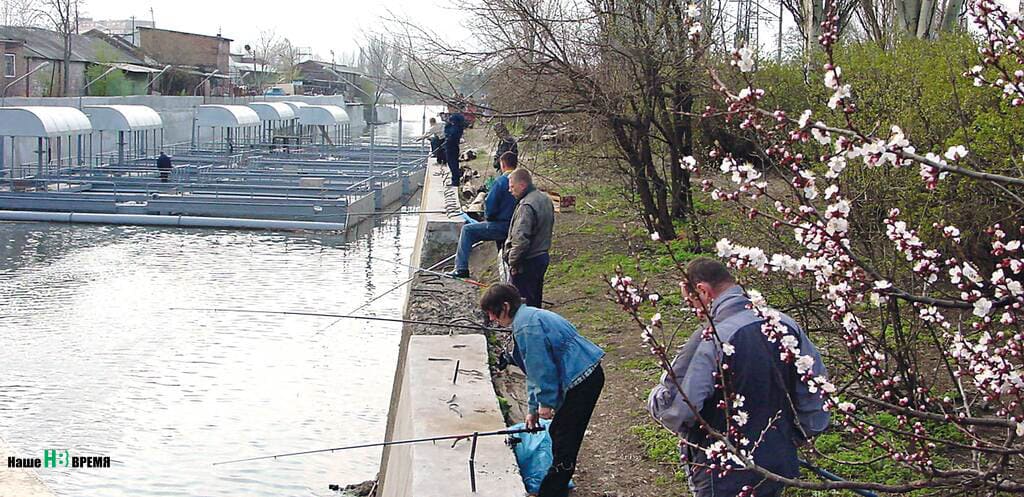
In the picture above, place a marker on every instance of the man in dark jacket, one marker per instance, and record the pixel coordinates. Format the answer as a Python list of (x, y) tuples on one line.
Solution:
[(498, 208), (563, 377), (529, 237), (506, 143), (163, 164), (453, 128), (771, 408)]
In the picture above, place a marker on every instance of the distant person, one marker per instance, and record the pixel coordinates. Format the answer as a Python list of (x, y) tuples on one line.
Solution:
[(498, 208), (779, 409), (529, 237), (506, 143), (436, 136), (453, 128), (163, 164), (564, 377)]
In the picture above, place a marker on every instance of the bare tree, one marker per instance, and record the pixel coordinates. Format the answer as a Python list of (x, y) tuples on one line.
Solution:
[(263, 50), (625, 70), (20, 13), (284, 56), (63, 16)]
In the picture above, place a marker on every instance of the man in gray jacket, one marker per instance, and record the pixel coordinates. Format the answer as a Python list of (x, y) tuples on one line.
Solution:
[(770, 403), (529, 237)]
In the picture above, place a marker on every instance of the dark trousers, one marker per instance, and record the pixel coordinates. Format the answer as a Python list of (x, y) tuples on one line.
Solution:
[(529, 279), (567, 431), (437, 149), (164, 174), (451, 152)]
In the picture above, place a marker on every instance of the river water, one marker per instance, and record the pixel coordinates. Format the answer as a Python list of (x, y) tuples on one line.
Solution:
[(94, 360)]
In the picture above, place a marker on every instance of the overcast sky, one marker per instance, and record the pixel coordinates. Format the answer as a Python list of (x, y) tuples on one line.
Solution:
[(336, 25)]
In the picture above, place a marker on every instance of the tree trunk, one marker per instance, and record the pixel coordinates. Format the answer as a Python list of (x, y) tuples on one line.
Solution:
[(951, 14), (871, 19), (636, 149)]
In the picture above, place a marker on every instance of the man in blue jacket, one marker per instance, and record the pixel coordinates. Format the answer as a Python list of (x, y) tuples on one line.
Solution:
[(453, 128), (774, 411), (563, 377), (498, 208)]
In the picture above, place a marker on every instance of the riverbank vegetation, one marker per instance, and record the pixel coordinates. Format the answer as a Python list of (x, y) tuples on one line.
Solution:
[(869, 185)]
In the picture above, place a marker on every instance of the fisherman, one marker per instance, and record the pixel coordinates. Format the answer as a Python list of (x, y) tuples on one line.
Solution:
[(563, 377), (163, 164), (529, 237), (778, 410), (453, 128), (506, 143), (498, 208), (436, 136)]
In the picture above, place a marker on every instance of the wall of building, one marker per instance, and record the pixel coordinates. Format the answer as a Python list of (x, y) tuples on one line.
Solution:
[(186, 49)]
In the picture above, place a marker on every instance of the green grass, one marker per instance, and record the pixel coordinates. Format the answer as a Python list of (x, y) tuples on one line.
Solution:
[(661, 446)]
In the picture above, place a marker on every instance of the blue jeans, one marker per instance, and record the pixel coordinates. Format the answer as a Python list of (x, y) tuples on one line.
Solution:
[(472, 233), (530, 279)]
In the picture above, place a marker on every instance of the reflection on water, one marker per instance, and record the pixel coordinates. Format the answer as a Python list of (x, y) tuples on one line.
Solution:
[(92, 359), (415, 120)]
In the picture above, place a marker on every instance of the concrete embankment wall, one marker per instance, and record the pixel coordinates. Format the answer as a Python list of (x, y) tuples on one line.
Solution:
[(425, 401), (176, 112)]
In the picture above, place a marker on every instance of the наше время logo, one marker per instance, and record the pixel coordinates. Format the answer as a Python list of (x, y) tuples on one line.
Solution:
[(58, 458)]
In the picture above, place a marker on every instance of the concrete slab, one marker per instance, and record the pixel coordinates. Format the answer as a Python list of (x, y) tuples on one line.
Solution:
[(432, 405)]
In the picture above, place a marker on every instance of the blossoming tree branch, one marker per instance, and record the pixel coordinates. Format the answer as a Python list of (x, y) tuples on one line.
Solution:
[(930, 337)]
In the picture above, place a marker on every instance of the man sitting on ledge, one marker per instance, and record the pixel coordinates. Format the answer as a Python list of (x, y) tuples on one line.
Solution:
[(498, 210)]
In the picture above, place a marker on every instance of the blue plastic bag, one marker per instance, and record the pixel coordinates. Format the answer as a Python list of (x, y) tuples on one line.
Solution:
[(533, 453)]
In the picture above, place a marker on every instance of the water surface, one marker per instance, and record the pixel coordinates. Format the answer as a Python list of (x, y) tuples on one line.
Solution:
[(93, 359)]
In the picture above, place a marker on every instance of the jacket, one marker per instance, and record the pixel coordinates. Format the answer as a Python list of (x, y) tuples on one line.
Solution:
[(500, 204), (552, 353), (759, 375), (508, 145), (453, 128), (530, 232), (435, 131)]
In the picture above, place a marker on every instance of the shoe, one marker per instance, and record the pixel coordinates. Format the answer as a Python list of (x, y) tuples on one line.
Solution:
[(458, 273)]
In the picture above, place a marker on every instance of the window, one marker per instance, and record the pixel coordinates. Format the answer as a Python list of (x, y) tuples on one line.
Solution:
[(9, 67)]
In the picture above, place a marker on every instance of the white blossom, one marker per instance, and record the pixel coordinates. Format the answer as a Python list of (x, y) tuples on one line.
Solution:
[(724, 247), (740, 418), (804, 118), (982, 307), (744, 59), (804, 364), (840, 94), (832, 78), (956, 152)]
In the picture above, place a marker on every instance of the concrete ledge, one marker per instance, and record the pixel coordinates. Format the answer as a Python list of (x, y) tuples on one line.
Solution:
[(431, 405), (21, 482), (423, 387)]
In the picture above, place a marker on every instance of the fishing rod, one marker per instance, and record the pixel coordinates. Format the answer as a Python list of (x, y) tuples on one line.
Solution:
[(834, 477), (396, 287), (430, 271), (396, 213), (464, 436), (340, 316), (378, 297)]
